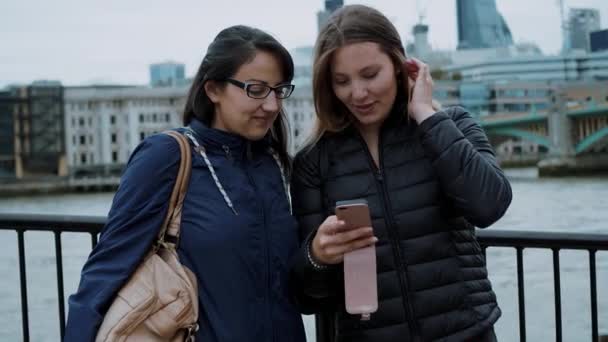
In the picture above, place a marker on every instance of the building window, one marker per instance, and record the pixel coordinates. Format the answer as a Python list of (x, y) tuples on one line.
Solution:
[(154, 117), (83, 158), (81, 122), (168, 117), (114, 156), (91, 139), (73, 122), (90, 122), (142, 135), (112, 119), (74, 140), (113, 138), (141, 118), (83, 140)]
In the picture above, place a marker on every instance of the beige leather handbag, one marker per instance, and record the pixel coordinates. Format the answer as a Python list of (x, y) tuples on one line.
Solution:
[(160, 300)]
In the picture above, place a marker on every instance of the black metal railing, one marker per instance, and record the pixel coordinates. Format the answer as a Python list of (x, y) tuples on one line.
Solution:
[(555, 242), (519, 240), (56, 224)]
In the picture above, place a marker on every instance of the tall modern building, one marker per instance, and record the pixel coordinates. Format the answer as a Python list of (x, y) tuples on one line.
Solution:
[(581, 22), (31, 131), (330, 7), (480, 25), (167, 74)]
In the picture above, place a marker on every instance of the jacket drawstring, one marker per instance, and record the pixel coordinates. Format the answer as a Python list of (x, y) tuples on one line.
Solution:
[(203, 153), (200, 149)]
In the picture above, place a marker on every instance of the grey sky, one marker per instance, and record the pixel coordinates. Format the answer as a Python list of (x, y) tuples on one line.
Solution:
[(79, 42)]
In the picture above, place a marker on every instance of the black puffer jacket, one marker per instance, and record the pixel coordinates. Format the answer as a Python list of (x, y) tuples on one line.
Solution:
[(435, 183)]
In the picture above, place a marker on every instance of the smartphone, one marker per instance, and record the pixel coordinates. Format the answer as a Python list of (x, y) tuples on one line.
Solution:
[(360, 277)]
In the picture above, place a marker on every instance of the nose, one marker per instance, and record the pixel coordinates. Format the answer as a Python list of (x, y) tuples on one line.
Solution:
[(359, 91), (271, 103)]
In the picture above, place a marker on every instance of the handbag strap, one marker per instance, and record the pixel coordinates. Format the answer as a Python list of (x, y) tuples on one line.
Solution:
[(168, 236)]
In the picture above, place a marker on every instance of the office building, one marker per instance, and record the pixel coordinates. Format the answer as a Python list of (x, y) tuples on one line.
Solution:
[(598, 40), (581, 22), (31, 131), (330, 7), (104, 124), (480, 25), (167, 74)]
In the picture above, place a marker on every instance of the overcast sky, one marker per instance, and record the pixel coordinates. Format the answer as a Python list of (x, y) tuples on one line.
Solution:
[(79, 42)]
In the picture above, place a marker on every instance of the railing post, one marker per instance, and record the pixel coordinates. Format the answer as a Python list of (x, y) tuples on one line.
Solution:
[(593, 283), (557, 296), (23, 278), (521, 294), (93, 240), (60, 291)]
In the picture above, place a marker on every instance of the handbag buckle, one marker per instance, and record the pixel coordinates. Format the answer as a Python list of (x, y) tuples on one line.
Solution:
[(190, 331)]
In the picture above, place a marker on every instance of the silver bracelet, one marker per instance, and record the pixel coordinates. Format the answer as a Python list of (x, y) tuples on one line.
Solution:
[(311, 260)]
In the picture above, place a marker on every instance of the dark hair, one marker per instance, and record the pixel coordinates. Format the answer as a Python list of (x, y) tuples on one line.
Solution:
[(231, 48), (351, 24)]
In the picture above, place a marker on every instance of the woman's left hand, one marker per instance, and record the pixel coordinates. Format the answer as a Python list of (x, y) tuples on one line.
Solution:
[(420, 106)]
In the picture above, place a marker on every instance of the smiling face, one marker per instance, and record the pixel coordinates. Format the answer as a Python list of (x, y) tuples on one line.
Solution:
[(364, 80), (235, 111)]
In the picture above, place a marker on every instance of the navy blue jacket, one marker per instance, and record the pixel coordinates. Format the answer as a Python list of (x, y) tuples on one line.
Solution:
[(241, 261)]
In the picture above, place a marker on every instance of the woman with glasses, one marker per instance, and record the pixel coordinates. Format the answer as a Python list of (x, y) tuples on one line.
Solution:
[(237, 231), (429, 176)]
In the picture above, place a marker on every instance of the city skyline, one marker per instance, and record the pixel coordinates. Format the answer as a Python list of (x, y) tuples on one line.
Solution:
[(122, 39)]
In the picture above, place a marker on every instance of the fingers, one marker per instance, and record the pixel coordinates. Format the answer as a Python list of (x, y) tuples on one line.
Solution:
[(351, 235), (332, 240), (353, 246), (331, 225)]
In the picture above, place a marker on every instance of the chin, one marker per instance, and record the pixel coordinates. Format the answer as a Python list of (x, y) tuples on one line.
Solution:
[(256, 134), (371, 120)]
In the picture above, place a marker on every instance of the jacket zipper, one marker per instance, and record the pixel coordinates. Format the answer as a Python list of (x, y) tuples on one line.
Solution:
[(266, 243), (226, 149), (394, 237)]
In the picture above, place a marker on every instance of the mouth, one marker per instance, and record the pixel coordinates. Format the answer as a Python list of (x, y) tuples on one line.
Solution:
[(364, 108)]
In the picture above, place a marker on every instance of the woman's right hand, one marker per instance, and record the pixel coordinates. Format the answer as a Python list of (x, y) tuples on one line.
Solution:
[(331, 241)]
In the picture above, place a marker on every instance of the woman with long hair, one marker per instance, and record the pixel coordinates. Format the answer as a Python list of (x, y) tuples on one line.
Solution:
[(429, 176)]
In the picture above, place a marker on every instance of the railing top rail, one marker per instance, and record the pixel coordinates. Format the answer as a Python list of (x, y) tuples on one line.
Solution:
[(491, 237), (543, 239), (44, 222)]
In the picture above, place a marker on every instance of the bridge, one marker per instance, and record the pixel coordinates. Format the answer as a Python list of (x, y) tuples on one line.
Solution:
[(570, 137)]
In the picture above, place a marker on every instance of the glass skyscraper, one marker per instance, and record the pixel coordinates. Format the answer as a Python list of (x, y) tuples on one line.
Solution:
[(330, 7), (481, 26)]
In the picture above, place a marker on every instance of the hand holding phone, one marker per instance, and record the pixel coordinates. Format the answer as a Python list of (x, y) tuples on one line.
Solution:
[(334, 238), (360, 277)]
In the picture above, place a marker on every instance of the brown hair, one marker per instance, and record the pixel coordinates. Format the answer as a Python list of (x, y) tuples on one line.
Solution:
[(351, 24)]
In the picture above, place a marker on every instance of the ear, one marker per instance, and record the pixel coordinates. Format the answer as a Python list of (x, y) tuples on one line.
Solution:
[(212, 90)]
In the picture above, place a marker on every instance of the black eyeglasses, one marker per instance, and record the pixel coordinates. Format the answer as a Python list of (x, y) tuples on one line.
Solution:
[(261, 91)]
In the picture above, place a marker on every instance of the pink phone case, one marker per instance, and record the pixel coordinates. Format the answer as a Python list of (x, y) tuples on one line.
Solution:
[(360, 282)]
